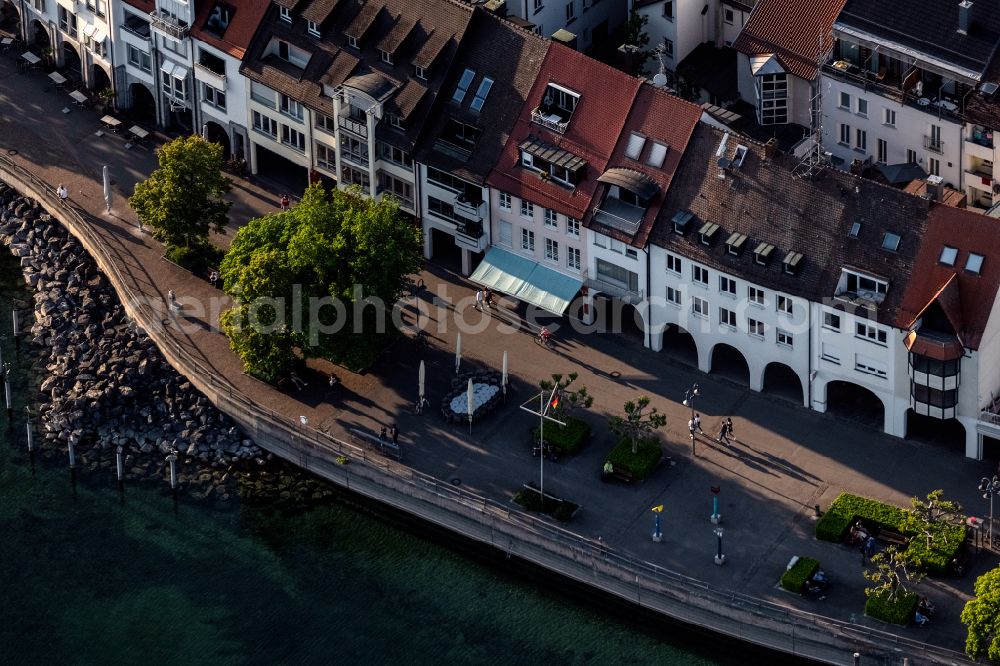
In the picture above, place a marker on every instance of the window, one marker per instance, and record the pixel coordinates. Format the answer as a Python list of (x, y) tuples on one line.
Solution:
[(890, 241), (668, 48), (527, 240), (504, 201), (600, 241), (784, 304), (397, 121), (527, 209), (755, 296), (861, 140), (446, 211), (617, 275), (784, 338), (213, 97), (911, 156), (772, 96), (673, 296), (830, 353), (862, 107), (934, 166), (855, 229), (460, 134), (728, 16), (506, 233), (869, 366), (355, 150), (293, 138), (657, 153), (831, 320), (572, 227), (668, 10), (727, 285), (420, 72), (285, 14), (889, 117), (883, 151), (290, 107), (948, 256), (573, 258), (974, 264), (755, 327), (631, 253), (138, 59), (635, 144), (700, 275), (174, 86), (402, 190), (845, 101), (570, 11), (353, 42), (325, 157), (395, 155), (265, 125), (67, 22), (551, 219), (727, 317), (845, 134), (674, 264), (537, 5), (935, 397), (870, 332), (481, 92), (313, 28), (699, 306), (463, 85), (551, 250)]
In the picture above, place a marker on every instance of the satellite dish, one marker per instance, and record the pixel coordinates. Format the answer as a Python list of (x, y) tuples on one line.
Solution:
[(660, 80)]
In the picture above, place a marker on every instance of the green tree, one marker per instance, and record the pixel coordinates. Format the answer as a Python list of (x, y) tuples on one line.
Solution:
[(569, 399), (890, 574), (637, 423), (184, 198), (927, 516), (321, 277), (627, 49), (981, 616)]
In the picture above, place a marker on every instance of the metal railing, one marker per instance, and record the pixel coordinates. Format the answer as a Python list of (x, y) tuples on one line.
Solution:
[(933, 144), (171, 25), (547, 121), (359, 128), (480, 518)]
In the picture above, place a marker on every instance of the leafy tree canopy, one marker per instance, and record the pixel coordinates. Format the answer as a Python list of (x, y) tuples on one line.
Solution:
[(321, 277), (982, 617), (637, 423), (183, 199)]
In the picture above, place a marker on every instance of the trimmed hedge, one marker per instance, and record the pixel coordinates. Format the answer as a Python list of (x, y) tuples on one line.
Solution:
[(795, 578), (569, 438), (640, 464), (847, 508), (900, 611), (560, 509)]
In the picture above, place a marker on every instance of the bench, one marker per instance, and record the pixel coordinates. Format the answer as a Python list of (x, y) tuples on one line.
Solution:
[(622, 475), (891, 537), (384, 446)]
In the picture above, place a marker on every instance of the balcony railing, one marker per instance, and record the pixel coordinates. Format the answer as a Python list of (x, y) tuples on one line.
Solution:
[(359, 128), (467, 206), (405, 202), (138, 28), (171, 25), (211, 72), (933, 144), (615, 290), (357, 159), (869, 82), (552, 121)]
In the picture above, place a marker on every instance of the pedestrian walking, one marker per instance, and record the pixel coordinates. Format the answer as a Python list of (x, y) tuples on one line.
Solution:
[(62, 193), (213, 278), (394, 434), (696, 421), (479, 300), (488, 298), (381, 434), (729, 429), (723, 436), (284, 202)]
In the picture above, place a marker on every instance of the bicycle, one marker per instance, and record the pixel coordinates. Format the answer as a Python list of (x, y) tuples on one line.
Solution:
[(544, 338)]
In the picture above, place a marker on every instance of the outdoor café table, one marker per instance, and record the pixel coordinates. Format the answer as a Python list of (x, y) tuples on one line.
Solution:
[(138, 132), (57, 79), (78, 97), (6, 43), (31, 59), (111, 123)]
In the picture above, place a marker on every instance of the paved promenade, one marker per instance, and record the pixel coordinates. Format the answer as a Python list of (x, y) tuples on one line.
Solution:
[(786, 460)]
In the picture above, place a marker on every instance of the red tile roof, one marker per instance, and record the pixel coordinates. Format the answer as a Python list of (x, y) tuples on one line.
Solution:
[(145, 5), (667, 120), (968, 307), (606, 94), (241, 29), (792, 30)]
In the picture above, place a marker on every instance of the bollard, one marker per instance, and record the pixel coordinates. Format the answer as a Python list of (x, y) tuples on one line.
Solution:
[(120, 460), (172, 459), (72, 455), (31, 439), (17, 327)]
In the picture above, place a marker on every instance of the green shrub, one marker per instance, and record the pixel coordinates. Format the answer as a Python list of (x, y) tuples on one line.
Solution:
[(560, 509), (196, 258), (898, 611), (793, 579), (875, 515), (569, 438), (640, 464)]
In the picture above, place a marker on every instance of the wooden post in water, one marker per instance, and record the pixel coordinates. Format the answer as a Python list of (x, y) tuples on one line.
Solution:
[(172, 459), (120, 463), (31, 438), (17, 327), (72, 454)]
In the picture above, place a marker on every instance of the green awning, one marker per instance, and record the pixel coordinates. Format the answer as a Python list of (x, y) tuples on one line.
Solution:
[(526, 280)]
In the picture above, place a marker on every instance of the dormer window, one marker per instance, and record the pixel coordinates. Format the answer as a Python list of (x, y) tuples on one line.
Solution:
[(313, 28), (635, 144), (974, 264), (858, 285), (890, 241), (735, 243), (397, 122), (657, 153), (762, 254), (707, 233), (285, 13), (385, 56), (484, 89), (463, 85), (556, 108), (420, 72), (353, 42), (681, 220), (792, 263)]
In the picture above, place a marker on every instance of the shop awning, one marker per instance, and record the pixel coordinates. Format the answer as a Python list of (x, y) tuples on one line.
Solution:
[(526, 280)]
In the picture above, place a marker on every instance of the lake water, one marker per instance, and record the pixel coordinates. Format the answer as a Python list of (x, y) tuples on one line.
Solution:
[(94, 577)]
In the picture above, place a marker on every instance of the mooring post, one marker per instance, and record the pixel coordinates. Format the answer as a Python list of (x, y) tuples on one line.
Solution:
[(72, 454), (31, 438), (120, 461), (172, 459), (17, 327)]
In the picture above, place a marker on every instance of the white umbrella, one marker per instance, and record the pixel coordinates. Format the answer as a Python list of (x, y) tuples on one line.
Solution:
[(458, 352), (107, 188), (503, 380), (469, 399), (420, 385)]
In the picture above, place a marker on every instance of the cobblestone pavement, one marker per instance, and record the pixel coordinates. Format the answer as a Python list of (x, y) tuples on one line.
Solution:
[(785, 460)]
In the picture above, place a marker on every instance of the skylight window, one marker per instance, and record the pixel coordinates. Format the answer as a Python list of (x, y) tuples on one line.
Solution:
[(657, 154), (484, 89), (974, 264), (635, 144), (463, 85), (855, 230), (948, 256), (890, 241)]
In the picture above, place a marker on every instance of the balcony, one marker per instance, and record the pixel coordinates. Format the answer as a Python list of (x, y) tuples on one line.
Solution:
[(467, 206), (979, 148), (615, 290), (359, 127), (619, 215), (552, 121), (136, 26), (210, 76), (404, 202), (892, 89), (170, 25), (470, 237), (933, 144), (979, 179), (357, 159)]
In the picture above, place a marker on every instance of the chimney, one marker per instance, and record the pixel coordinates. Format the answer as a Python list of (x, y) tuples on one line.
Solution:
[(934, 187), (964, 16)]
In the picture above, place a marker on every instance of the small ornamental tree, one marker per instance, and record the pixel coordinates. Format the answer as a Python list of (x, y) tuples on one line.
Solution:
[(569, 400), (891, 574), (637, 423), (926, 517), (183, 200), (981, 616)]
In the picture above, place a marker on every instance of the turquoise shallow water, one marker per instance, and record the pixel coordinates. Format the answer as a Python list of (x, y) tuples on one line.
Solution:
[(89, 578)]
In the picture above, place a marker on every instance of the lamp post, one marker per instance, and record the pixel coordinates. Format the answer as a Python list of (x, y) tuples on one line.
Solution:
[(989, 488), (720, 559), (716, 516), (689, 396)]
